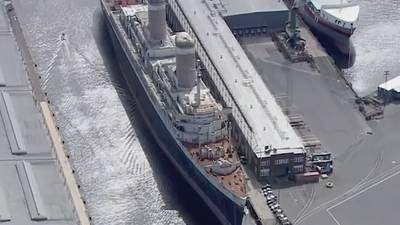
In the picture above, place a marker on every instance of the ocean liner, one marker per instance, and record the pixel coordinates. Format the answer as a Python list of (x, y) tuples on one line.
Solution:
[(334, 19), (190, 126)]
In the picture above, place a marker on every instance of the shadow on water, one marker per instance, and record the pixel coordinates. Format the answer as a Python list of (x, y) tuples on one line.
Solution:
[(177, 194)]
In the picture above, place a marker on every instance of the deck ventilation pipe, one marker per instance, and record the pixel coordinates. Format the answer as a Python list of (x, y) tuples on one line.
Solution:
[(157, 20)]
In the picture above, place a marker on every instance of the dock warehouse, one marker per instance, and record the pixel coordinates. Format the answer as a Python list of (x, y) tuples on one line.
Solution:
[(262, 132), (255, 16), (390, 90)]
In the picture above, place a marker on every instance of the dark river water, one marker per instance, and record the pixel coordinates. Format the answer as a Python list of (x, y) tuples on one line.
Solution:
[(123, 175)]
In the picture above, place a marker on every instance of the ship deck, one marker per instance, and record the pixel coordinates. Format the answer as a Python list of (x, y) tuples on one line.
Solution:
[(234, 181), (32, 190)]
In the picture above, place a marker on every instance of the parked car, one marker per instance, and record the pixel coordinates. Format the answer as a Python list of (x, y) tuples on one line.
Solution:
[(264, 187), (271, 202), (282, 218), (266, 193), (277, 211), (271, 197), (274, 206)]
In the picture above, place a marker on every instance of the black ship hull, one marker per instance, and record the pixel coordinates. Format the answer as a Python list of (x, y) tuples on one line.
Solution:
[(229, 209), (338, 38)]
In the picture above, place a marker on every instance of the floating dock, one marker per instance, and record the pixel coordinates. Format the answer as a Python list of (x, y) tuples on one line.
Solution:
[(37, 183)]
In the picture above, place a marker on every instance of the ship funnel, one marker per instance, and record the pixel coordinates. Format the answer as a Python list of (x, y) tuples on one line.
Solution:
[(185, 60), (157, 20)]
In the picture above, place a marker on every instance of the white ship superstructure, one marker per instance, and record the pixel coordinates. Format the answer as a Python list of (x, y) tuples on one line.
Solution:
[(341, 15), (175, 83), (336, 19)]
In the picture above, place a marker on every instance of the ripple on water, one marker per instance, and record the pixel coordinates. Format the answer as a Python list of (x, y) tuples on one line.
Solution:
[(377, 44), (116, 178)]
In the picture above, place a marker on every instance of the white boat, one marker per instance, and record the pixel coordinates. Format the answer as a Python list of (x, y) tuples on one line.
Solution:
[(335, 19)]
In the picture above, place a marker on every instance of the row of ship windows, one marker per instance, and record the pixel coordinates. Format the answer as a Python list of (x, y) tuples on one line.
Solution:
[(298, 159), (338, 22)]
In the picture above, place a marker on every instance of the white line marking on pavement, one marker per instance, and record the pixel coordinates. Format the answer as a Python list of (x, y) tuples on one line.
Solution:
[(333, 217), (363, 190), (292, 196), (352, 191)]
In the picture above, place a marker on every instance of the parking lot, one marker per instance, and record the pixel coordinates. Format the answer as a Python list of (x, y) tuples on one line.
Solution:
[(365, 153), (377, 205), (273, 204)]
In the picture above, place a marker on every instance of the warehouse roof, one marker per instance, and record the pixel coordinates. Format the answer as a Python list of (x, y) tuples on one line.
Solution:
[(393, 84), (238, 7), (269, 125)]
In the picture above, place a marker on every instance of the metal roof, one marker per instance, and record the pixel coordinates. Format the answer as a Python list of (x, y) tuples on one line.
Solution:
[(269, 124), (393, 84), (238, 7)]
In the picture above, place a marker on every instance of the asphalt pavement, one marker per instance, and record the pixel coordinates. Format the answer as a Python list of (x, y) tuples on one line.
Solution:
[(365, 153)]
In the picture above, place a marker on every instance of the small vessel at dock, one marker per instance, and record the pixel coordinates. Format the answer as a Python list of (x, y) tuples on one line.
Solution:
[(334, 19)]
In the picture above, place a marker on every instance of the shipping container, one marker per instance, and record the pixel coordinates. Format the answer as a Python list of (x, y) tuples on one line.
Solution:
[(309, 177)]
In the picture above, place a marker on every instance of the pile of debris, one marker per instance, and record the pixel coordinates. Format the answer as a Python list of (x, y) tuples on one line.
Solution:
[(371, 107)]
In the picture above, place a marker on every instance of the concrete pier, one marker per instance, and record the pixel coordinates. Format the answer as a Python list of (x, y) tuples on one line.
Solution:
[(38, 185)]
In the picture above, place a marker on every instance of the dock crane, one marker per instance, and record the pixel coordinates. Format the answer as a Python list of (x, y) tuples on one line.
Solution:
[(294, 39)]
